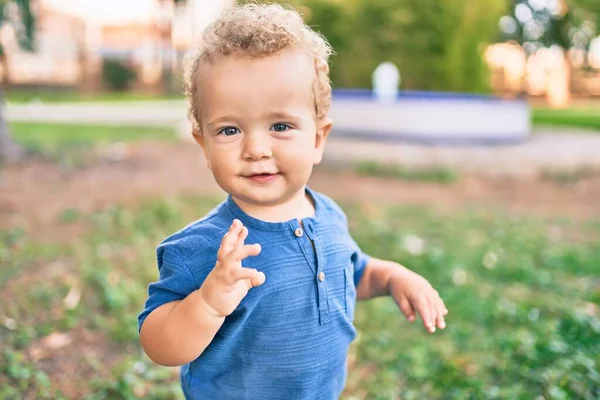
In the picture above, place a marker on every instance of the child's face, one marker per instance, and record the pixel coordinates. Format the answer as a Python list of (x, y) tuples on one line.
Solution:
[(260, 133)]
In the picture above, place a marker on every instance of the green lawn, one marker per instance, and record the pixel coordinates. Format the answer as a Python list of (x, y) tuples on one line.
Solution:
[(69, 141), (570, 118), (56, 96), (419, 174), (523, 296)]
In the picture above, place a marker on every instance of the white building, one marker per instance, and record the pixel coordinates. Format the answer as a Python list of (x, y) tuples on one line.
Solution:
[(75, 35)]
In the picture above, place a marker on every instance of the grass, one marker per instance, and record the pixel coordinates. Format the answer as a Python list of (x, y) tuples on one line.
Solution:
[(569, 177), (522, 317), (423, 174), (57, 96), (71, 142), (523, 299), (569, 118)]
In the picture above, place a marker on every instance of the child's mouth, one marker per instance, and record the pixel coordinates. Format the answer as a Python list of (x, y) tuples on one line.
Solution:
[(262, 178)]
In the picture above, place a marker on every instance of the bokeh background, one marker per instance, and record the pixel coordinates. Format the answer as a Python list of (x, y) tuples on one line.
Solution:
[(97, 168)]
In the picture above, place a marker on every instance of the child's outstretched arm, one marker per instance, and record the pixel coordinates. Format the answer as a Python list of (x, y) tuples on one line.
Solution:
[(178, 332), (413, 293)]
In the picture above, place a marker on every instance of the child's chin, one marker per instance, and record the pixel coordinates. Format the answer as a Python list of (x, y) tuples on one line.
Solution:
[(258, 196), (266, 199)]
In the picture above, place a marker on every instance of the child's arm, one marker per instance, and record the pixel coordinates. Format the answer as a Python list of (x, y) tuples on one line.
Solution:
[(412, 292), (178, 332)]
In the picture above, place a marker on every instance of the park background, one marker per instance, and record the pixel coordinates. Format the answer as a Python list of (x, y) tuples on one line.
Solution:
[(97, 168)]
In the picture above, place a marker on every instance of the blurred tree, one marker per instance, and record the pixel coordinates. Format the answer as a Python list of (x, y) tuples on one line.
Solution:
[(444, 41), (118, 75), (18, 14), (333, 20), (568, 24), (436, 44), (544, 23)]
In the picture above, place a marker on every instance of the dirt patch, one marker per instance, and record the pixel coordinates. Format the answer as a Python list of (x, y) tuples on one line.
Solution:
[(36, 194), (579, 200), (73, 360)]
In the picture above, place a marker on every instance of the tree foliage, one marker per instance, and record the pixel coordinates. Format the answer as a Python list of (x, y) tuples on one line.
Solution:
[(437, 45), (19, 14), (566, 23)]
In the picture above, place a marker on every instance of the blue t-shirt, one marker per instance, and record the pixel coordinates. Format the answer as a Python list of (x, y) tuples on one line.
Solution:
[(288, 338)]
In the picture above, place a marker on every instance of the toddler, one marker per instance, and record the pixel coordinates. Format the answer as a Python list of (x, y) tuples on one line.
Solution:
[(272, 319)]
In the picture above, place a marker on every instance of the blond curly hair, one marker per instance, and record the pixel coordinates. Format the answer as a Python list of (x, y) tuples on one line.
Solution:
[(258, 30)]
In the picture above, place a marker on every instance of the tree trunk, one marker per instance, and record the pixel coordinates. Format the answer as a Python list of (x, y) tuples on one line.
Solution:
[(10, 151)]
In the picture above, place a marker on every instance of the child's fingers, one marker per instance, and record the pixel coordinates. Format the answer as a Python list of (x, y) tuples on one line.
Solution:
[(229, 240), (406, 309), (432, 315), (239, 245), (440, 322), (242, 236), (241, 251), (247, 250), (258, 279), (440, 303), (441, 312), (252, 250), (253, 276), (422, 306)]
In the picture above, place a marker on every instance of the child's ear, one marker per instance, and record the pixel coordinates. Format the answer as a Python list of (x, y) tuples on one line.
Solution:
[(199, 138), (323, 128)]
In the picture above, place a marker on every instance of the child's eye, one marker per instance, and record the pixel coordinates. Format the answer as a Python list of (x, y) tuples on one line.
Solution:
[(229, 131), (280, 127)]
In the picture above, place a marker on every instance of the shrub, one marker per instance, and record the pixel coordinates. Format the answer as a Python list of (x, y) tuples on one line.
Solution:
[(117, 75)]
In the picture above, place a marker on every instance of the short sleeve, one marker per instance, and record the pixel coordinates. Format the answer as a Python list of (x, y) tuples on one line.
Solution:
[(175, 282), (360, 261)]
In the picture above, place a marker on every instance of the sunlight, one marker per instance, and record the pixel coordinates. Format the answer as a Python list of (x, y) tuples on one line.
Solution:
[(113, 11)]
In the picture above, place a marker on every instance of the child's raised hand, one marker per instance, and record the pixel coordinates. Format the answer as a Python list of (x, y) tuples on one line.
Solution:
[(414, 294), (228, 283)]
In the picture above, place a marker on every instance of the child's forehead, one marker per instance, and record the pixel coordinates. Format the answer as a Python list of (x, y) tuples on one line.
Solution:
[(247, 86), (294, 61), (282, 71)]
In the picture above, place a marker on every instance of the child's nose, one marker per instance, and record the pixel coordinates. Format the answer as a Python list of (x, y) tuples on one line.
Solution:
[(257, 147)]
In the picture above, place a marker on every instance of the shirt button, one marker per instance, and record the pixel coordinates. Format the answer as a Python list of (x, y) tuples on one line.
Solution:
[(321, 276), (299, 232)]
